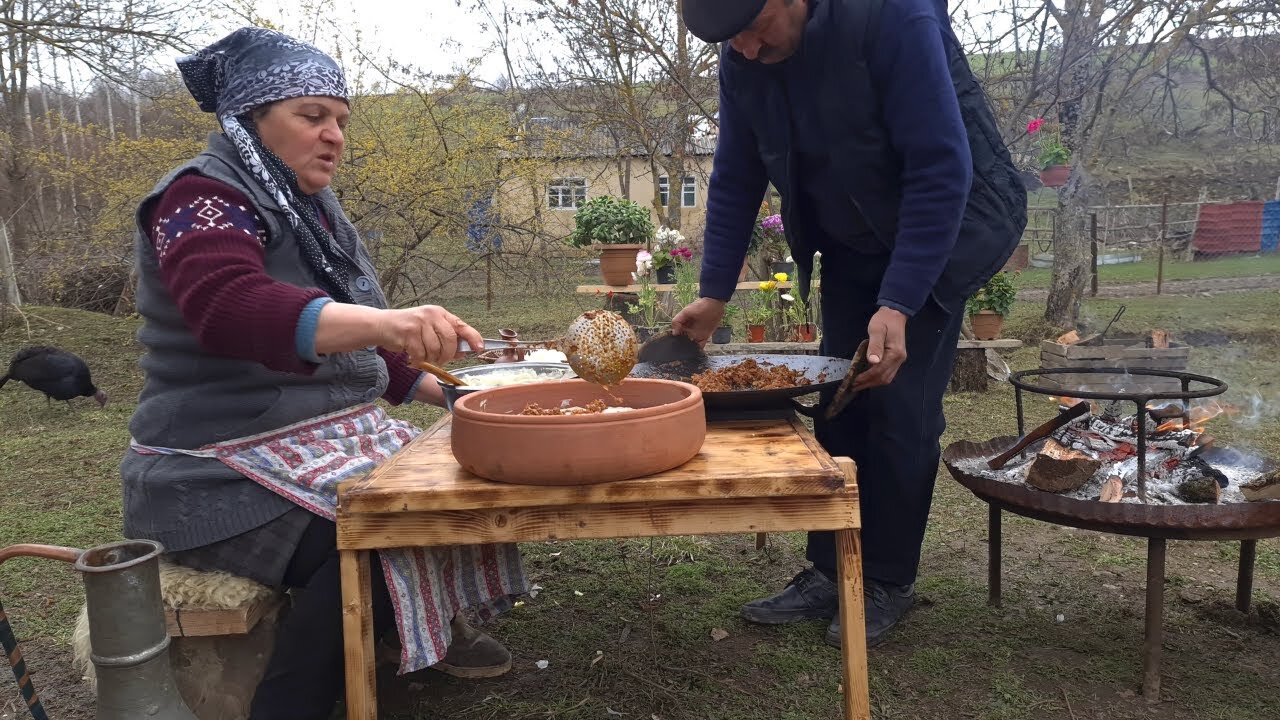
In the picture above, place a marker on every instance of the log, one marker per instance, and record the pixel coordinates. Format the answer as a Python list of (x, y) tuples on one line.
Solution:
[(1059, 469), (1158, 339), (1264, 487), (1068, 338), (1199, 489), (1112, 489)]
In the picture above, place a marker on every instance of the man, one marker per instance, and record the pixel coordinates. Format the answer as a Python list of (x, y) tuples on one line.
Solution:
[(865, 117)]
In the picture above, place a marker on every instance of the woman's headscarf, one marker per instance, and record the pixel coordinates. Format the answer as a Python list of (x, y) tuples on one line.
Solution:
[(248, 69)]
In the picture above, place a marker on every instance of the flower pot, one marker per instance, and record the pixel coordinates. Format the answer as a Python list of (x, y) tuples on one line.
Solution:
[(1055, 175), (618, 262), (987, 324), (722, 335), (803, 333), (1019, 260), (783, 267), (667, 275), (755, 333)]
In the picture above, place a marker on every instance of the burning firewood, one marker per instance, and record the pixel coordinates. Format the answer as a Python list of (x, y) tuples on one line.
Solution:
[(1264, 487), (1158, 339), (1060, 469), (1069, 338), (1112, 489)]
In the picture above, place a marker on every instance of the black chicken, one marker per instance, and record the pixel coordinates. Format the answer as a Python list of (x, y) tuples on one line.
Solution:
[(58, 374)]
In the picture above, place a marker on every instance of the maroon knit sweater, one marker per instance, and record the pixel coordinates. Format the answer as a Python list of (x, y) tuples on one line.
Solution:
[(219, 281)]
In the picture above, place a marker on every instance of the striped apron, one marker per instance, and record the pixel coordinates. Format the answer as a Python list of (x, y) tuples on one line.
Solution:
[(305, 462)]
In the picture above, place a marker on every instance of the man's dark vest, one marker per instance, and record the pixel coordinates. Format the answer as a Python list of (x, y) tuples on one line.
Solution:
[(837, 42)]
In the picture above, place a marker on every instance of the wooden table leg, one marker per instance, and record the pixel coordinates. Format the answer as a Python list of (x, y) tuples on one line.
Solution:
[(853, 629), (1244, 580), (357, 633)]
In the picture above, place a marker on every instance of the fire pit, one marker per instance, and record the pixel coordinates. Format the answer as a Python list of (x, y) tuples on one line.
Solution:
[(1153, 473)]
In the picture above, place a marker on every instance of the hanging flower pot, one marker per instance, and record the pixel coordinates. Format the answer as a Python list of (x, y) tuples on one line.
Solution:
[(804, 333), (618, 262), (1055, 175), (987, 324), (755, 333)]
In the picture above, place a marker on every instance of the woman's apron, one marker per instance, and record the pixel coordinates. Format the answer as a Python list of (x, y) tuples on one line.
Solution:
[(305, 462)]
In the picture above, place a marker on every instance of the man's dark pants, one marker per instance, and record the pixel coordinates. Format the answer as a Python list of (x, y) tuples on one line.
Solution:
[(891, 432)]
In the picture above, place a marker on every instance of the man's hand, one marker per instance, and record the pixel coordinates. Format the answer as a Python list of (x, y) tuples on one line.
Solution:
[(886, 348), (699, 319)]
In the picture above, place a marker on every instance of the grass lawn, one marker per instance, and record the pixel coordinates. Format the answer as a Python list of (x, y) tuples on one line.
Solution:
[(626, 625), (1146, 270)]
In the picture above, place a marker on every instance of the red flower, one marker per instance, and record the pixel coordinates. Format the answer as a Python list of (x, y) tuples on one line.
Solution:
[(1035, 125)]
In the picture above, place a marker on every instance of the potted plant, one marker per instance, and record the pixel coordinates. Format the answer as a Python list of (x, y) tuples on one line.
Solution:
[(724, 333), (617, 228), (669, 248), (1055, 157), (799, 323), (990, 304), (769, 242), (758, 316), (647, 305)]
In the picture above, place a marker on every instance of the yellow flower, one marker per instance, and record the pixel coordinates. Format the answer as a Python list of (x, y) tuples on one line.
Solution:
[(768, 285), (780, 277)]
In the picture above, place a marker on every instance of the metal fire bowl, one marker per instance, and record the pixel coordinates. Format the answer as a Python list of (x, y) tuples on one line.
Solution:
[(1231, 521)]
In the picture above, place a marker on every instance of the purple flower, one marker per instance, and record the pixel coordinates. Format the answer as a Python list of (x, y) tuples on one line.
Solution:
[(772, 222)]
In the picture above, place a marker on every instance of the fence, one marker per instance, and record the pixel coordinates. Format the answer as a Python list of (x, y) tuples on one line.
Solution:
[(1168, 247)]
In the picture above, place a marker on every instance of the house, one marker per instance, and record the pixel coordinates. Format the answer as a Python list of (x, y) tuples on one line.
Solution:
[(577, 162)]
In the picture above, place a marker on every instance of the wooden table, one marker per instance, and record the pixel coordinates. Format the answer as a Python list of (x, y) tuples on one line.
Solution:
[(751, 477)]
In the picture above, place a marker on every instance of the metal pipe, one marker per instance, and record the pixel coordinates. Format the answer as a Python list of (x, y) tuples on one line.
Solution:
[(1154, 640), (13, 651), (1244, 580), (993, 555)]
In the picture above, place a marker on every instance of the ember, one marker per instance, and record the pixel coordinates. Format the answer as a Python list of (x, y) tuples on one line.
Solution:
[(1095, 457)]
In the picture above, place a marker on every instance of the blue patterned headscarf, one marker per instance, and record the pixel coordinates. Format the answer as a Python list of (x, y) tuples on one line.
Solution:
[(250, 68)]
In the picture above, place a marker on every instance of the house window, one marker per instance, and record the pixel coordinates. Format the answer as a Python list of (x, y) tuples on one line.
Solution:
[(566, 193), (688, 193)]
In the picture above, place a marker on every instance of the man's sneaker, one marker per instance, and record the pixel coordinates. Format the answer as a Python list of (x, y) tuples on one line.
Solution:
[(809, 596), (885, 606)]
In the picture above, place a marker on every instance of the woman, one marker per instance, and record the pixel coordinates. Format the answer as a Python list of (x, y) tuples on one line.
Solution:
[(268, 340)]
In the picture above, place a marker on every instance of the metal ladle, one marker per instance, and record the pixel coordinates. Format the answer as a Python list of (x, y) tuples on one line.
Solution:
[(600, 346)]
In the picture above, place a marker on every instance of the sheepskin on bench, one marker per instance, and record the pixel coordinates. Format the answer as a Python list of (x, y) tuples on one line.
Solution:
[(216, 674)]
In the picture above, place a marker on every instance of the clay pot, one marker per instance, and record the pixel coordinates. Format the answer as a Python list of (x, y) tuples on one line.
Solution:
[(618, 262), (1019, 260), (755, 333), (1055, 175), (987, 324), (804, 333), (491, 439)]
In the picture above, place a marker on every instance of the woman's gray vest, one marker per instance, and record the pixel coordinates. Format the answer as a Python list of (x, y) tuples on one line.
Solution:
[(192, 398)]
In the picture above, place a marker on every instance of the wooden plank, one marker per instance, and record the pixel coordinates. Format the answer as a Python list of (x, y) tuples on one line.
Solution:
[(853, 632), (764, 348), (357, 635), (368, 531), (667, 287), (204, 623), (740, 459), (1111, 352), (1000, 344)]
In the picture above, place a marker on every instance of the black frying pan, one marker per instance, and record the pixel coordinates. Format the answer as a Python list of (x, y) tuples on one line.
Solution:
[(823, 373)]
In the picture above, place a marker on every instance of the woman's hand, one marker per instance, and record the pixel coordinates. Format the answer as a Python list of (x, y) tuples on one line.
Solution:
[(426, 333)]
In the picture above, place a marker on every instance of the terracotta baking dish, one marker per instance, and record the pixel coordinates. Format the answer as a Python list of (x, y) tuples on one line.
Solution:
[(491, 439)]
